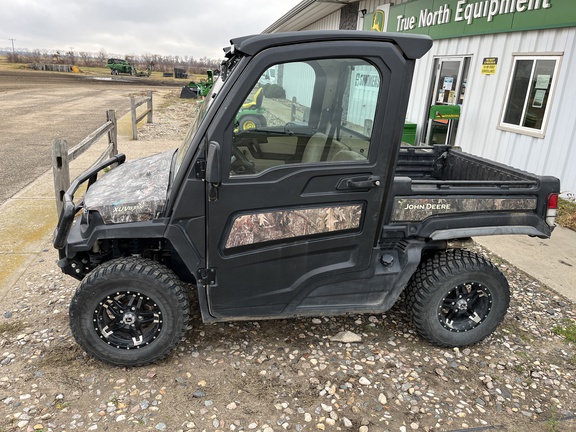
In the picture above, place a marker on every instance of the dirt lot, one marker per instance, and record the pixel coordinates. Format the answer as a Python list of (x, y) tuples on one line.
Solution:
[(38, 107), (286, 374)]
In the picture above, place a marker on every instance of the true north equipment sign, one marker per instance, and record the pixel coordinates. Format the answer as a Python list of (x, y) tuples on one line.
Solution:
[(456, 18)]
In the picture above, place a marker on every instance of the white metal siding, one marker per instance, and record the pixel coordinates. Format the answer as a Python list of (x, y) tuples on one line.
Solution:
[(298, 81), (477, 132), (329, 22)]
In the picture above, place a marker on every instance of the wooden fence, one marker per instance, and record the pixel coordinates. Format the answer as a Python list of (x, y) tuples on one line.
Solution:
[(136, 119), (61, 156)]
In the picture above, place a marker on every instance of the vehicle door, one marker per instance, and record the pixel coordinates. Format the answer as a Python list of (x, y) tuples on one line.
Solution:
[(294, 211)]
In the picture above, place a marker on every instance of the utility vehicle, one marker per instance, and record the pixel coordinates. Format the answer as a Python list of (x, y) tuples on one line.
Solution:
[(320, 211)]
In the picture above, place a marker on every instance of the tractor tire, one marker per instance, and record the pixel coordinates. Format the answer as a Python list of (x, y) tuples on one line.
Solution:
[(457, 298), (129, 312), (251, 122)]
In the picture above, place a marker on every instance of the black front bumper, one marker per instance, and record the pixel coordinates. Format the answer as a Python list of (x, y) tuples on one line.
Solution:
[(69, 209)]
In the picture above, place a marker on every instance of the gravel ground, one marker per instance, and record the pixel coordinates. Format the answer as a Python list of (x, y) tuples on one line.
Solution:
[(286, 374)]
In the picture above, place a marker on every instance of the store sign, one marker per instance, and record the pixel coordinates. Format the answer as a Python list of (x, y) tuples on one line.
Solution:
[(379, 19), (489, 65), (468, 11), (456, 18)]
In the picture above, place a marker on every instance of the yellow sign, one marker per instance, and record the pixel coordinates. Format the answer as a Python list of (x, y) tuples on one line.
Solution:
[(378, 21), (489, 65)]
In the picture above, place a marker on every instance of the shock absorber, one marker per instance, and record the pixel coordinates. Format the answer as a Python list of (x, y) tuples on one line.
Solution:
[(135, 247)]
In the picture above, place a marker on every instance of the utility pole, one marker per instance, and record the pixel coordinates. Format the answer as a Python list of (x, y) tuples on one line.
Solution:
[(12, 44)]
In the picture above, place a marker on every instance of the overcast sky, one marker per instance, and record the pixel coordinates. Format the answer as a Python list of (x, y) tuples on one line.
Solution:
[(167, 27)]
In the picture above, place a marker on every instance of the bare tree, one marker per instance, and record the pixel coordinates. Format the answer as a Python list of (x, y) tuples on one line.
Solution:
[(162, 63), (102, 57)]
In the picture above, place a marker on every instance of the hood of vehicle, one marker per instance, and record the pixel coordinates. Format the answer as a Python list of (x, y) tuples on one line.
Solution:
[(132, 192)]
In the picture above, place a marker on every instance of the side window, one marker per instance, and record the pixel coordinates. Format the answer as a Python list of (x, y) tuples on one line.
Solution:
[(529, 95), (278, 99), (319, 111)]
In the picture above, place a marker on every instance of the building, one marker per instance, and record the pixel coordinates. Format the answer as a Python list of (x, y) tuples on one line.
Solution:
[(500, 80)]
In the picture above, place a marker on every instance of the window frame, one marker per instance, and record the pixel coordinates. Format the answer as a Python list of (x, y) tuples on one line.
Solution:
[(534, 57)]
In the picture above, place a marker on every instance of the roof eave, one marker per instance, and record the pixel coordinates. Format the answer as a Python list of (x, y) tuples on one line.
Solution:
[(304, 14)]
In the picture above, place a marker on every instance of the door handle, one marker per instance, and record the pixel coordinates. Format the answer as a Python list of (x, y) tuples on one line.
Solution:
[(361, 182)]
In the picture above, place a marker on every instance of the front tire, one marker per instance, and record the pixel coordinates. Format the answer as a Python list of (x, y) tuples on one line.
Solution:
[(129, 312), (457, 298)]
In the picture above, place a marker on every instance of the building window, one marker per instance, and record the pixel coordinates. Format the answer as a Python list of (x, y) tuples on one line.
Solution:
[(529, 96)]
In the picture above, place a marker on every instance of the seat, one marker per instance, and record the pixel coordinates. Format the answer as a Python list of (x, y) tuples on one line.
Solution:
[(338, 152), (256, 103), (314, 148)]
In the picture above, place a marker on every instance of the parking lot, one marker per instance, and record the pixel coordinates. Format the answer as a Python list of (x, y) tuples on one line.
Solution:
[(38, 107)]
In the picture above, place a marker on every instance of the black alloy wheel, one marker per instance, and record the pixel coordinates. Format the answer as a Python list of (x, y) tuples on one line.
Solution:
[(457, 298), (129, 312)]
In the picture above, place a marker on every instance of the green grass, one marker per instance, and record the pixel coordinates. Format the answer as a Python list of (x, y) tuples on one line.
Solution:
[(5, 65), (567, 329), (553, 423), (11, 328), (567, 213)]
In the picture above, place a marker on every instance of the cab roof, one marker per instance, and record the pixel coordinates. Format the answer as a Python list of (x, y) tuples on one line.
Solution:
[(413, 46)]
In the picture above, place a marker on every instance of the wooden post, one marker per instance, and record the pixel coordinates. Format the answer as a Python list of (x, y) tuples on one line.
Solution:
[(293, 109), (134, 125), (135, 118), (368, 124), (60, 170), (149, 106), (112, 133)]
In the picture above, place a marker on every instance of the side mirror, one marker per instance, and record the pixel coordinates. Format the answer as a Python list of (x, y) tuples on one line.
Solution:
[(213, 170)]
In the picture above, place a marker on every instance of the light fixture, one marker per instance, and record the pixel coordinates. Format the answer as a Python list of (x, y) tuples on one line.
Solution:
[(363, 12)]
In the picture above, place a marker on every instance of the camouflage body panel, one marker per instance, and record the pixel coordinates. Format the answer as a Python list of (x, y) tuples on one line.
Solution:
[(255, 228), (418, 209), (132, 192)]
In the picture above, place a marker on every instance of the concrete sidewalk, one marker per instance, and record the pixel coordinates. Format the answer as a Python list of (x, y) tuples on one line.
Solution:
[(551, 261), (28, 219)]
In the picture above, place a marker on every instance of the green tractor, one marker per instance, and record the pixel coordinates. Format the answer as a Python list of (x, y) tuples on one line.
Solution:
[(251, 116), (118, 66), (195, 89)]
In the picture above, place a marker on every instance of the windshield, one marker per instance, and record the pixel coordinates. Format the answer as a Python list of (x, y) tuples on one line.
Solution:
[(200, 114)]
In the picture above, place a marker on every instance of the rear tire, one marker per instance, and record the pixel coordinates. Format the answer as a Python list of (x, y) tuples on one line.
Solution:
[(251, 122), (129, 312), (457, 298)]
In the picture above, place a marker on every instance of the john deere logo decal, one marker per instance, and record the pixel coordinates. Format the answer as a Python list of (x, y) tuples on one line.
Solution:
[(378, 21)]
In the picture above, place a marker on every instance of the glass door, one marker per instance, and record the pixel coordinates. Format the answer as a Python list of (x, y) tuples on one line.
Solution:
[(448, 88)]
